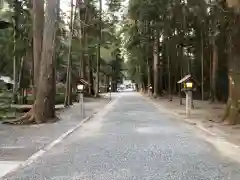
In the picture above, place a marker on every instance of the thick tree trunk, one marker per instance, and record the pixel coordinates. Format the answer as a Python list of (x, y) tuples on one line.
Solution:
[(30, 60), (233, 105), (98, 50), (55, 57), (169, 79), (15, 57), (43, 108), (181, 57), (90, 76), (214, 72), (160, 78), (233, 3), (82, 39), (149, 78), (68, 89), (106, 83), (83, 64), (38, 24), (156, 63), (202, 66), (21, 78), (232, 110), (169, 70)]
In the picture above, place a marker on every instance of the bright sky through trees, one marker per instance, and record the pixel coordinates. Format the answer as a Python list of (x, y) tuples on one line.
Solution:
[(65, 5)]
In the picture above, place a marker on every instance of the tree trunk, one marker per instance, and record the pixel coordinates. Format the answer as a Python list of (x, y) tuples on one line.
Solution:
[(21, 78), (15, 58), (214, 71), (38, 24), (169, 79), (156, 63), (149, 78), (55, 57), (169, 70), (68, 89), (84, 59), (233, 3), (98, 50), (90, 77), (81, 39), (181, 55), (161, 78), (31, 62), (232, 110), (105, 83), (44, 109), (202, 66)]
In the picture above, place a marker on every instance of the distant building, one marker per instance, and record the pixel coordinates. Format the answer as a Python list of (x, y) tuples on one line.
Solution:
[(6, 82), (6, 79), (128, 84)]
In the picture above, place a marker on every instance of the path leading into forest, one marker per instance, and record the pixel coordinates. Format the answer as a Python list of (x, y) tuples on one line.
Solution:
[(132, 139)]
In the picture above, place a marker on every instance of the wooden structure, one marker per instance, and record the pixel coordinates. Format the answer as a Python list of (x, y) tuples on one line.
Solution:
[(186, 79), (183, 84), (84, 82)]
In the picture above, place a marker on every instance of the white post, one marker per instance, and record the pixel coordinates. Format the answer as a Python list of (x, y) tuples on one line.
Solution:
[(188, 103), (81, 104)]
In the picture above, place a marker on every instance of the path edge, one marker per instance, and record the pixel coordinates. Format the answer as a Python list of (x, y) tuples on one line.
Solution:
[(49, 146), (197, 125)]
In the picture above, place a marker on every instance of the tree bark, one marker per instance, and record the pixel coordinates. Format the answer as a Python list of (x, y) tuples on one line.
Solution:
[(38, 24), (43, 108), (68, 92), (90, 76), (233, 3), (98, 50), (233, 105), (169, 77), (55, 56), (232, 109), (81, 39), (15, 57), (202, 66), (214, 71), (149, 78), (156, 63)]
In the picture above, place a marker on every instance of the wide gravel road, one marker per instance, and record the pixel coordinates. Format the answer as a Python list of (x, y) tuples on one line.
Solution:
[(132, 140)]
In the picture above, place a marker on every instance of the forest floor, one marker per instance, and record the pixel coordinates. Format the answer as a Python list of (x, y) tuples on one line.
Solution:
[(18, 143), (205, 115)]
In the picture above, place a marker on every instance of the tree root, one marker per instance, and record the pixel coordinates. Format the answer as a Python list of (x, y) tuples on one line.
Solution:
[(231, 114), (26, 119), (227, 110), (29, 118)]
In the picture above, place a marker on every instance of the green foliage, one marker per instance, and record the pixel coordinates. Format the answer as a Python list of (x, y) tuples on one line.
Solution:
[(87, 23), (182, 26)]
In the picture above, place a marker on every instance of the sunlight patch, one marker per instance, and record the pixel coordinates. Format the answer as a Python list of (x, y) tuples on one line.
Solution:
[(149, 130)]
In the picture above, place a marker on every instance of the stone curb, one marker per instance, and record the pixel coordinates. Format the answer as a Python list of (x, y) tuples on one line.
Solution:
[(198, 125), (40, 153)]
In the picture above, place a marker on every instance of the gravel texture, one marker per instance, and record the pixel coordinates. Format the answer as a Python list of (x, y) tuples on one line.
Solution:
[(132, 140), (17, 143)]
